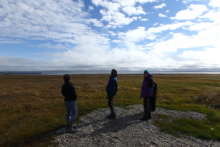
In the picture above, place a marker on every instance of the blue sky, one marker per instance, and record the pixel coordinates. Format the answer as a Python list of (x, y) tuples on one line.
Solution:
[(159, 35)]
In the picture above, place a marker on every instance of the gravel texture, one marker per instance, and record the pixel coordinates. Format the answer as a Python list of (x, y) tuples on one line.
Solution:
[(127, 130)]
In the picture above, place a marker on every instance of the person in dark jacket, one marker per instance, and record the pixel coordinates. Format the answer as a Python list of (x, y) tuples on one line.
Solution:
[(68, 91), (146, 93), (111, 90)]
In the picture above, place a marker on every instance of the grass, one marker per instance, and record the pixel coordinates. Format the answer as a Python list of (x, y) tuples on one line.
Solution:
[(32, 106)]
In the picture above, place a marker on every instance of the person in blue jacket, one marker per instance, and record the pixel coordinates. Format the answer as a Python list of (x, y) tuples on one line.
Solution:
[(111, 90)]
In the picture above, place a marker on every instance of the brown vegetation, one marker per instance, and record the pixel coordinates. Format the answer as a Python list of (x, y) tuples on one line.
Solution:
[(31, 106)]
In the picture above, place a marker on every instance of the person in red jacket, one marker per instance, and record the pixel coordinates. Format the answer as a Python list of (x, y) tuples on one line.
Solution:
[(68, 91)]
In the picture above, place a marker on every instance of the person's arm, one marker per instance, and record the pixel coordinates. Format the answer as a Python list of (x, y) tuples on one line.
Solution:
[(62, 91), (110, 87), (73, 92)]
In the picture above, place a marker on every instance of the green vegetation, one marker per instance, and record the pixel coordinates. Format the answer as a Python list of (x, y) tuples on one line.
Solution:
[(32, 106), (205, 129)]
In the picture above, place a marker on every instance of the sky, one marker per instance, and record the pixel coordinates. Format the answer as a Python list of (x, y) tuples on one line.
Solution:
[(158, 35)]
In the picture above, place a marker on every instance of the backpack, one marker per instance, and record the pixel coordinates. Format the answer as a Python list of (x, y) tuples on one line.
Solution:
[(153, 97)]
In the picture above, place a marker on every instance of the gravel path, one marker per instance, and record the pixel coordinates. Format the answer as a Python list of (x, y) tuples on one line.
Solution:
[(127, 130)]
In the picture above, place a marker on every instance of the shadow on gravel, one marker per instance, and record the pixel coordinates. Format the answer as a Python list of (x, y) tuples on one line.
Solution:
[(116, 125)]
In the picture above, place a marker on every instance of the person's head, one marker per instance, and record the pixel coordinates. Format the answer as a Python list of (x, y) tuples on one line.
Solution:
[(114, 72), (146, 73), (66, 78)]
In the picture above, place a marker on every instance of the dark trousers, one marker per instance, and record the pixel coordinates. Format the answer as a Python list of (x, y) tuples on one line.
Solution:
[(110, 105), (147, 111)]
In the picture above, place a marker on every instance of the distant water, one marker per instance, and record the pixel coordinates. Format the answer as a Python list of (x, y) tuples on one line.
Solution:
[(119, 72), (94, 72)]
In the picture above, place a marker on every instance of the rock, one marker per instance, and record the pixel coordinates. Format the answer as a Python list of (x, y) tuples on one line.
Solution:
[(127, 130)]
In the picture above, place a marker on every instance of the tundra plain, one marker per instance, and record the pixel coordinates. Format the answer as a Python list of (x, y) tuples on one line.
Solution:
[(32, 105)]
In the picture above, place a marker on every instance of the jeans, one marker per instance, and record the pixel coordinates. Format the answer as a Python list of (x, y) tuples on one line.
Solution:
[(70, 107)]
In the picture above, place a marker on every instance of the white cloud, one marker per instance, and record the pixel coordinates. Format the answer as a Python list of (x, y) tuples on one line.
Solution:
[(133, 10), (116, 41), (115, 19), (96, 22), (125, 3), (192, 12), (107, 4), (135, 35), (167, 11), (50, 46), (214, 3), (90, 8), (162, 28), (50, 20), (65, 23), (112, 33), (160, 6), (144, 19), (161, 15), (188, 1), (205, 38)]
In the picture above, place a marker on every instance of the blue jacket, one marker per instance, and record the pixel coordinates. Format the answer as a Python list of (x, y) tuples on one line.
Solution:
[(112, 86)]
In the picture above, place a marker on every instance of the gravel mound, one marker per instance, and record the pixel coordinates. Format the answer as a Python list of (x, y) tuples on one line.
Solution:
[(127, 130)]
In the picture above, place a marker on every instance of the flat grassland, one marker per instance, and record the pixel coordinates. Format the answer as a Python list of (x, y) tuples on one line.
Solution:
[(32, 105)]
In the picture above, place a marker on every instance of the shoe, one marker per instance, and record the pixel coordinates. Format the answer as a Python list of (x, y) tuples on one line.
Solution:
[(112, 117), (69, 129), (144, 118), (108, 116)]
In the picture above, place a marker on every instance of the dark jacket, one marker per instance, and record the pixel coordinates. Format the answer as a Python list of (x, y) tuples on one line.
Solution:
[(68, 91), (147, 87), (112, 86)]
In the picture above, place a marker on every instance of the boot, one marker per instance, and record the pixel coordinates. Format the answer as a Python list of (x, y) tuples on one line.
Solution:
[(144, 118), (112, 116), (70, 128)]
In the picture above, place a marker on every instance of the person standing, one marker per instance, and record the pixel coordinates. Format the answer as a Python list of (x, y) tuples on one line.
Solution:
[(146, 93), (111, 90), (68, 91)]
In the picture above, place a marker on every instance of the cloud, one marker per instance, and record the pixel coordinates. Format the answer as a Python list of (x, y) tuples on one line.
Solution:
[(111, 6), (125, 3), (160, 6), (188, 1), (112, 33), (136, 35), (214, 3), (96, 22), (50, 46), (10, 41), (115, 19), (50, 20), (161, 15), (133, 10), (192, 12), (144, 19), (73, 43), (91, 8)]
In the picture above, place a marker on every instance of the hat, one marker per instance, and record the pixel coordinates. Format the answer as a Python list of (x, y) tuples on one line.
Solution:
[(146, 71), (114, 72)]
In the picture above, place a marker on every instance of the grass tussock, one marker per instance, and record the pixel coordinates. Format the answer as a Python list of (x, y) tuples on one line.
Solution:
[(208, 129), (32, 106)]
